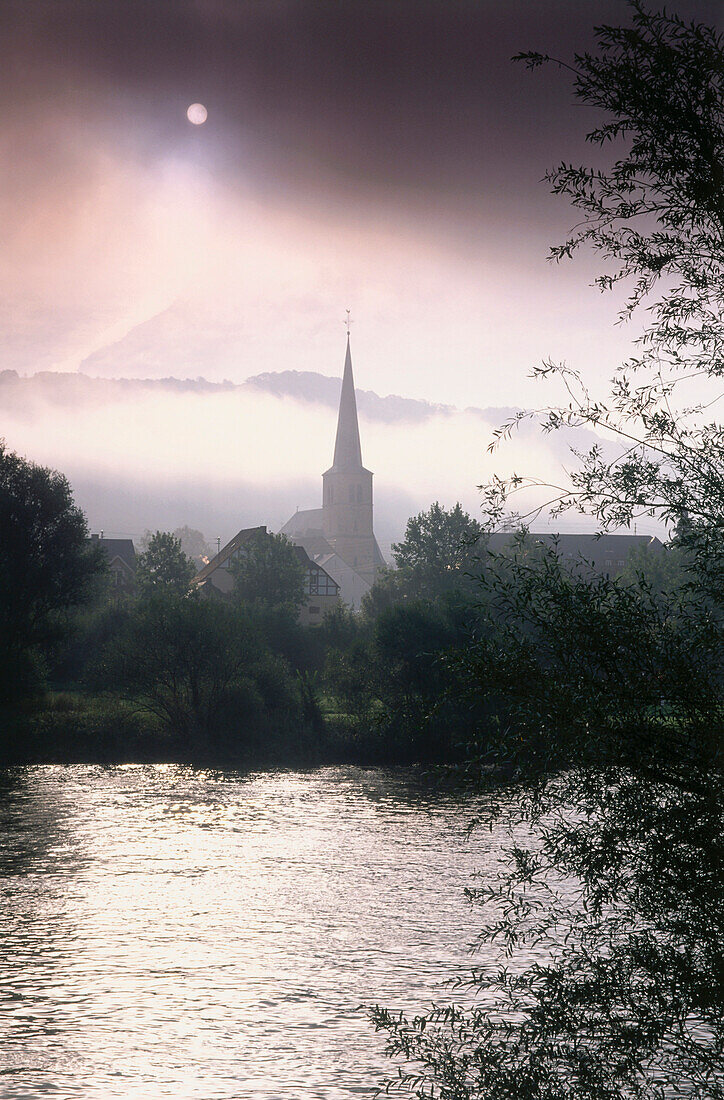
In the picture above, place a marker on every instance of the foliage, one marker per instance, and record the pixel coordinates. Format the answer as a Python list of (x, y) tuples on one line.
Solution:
[(393, 678), (610, 913), (81, 728), (163, 566), (391, 674), (592, 672), (47, 565), (91, 629), (666, 573), (610, 918), (440, 546), (198, 667), (268, 573), (657, 215), (390, 587), (340, 626)]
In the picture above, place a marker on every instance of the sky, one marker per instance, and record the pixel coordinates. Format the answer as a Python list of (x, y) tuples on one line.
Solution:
[(384, 156)]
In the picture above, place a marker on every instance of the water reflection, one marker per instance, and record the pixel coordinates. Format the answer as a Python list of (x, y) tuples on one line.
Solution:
[(169, 932)]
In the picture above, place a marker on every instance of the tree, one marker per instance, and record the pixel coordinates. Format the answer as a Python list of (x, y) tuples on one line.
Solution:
[(666, 573), (199, 668), (610, 718), (47, 566), (610, 696), (440, 546), (194, 545), (395, 676), (163, 566), (656, 215), (269, 573)]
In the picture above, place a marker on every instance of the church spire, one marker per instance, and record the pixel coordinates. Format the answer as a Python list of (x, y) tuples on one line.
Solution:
[(347, 449)]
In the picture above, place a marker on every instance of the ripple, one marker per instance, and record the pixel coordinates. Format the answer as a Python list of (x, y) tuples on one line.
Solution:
[(176, 933)]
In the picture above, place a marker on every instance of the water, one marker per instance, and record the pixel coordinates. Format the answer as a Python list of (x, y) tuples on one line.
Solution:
[(166, 932)]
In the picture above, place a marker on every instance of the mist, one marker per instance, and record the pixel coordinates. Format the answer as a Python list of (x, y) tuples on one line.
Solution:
[(218, 458)]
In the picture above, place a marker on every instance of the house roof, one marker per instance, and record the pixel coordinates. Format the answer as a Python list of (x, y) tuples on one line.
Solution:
[(326, 558), (380, 562), (118, 548), (302, 554), (238, 540), (589, 547), (225, 553)]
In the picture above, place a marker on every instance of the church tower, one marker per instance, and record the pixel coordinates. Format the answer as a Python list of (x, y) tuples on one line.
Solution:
[(347, 489)]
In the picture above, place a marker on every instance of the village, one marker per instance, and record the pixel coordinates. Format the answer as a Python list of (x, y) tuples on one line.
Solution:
[(336, 545), (410, 782)]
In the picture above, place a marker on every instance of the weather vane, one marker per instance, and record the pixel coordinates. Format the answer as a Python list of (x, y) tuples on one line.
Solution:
[(348, 321)]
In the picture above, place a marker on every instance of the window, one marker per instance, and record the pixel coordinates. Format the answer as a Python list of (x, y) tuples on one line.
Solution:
[(359, 494), (330, 494), (351, 494), (314, 610), (318, 583)]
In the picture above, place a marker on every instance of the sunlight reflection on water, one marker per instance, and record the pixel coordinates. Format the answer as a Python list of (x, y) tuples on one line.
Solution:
[(167, 932)]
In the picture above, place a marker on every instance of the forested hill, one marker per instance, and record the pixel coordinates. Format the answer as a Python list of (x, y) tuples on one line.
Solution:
[(20, 393)]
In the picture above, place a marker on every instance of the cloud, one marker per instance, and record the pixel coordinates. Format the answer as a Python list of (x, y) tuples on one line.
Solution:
[(148, 455)]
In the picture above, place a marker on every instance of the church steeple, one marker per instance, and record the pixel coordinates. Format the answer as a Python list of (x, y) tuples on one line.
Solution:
[(347, 449), (347, 489)]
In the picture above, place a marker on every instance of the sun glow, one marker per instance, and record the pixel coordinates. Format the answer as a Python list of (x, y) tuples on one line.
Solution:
[(197, 114)]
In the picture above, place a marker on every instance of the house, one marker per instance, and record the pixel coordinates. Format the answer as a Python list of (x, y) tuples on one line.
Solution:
[(121, 556), (605, 554), (217, 578)]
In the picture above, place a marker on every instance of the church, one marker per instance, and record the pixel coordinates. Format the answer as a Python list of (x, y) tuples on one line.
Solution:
[(339, 536)]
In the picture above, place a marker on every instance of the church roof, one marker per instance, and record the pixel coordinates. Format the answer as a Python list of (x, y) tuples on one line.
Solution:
[(305, 522), (380, 562), (347, 449)]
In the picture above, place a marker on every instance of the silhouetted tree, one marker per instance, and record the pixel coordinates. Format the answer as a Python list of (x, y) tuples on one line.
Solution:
[(268, 572), (199, 667), (611, 697), (665, 573), (440, 549), (47, 566), (656, 216), (163, 566)]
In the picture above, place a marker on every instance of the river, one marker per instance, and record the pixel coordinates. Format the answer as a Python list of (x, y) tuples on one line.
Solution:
[(169, 932)]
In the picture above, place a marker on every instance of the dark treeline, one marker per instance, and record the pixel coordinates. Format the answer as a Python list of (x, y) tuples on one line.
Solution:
[(89, 673), (169, 674)]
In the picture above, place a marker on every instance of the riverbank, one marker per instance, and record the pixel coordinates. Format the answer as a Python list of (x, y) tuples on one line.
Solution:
[(81, 728)]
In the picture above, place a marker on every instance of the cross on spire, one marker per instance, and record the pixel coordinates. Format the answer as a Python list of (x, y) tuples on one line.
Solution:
[(348, 321)]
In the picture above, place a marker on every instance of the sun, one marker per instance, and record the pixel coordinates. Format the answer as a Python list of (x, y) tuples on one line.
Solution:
[(197, 114)]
